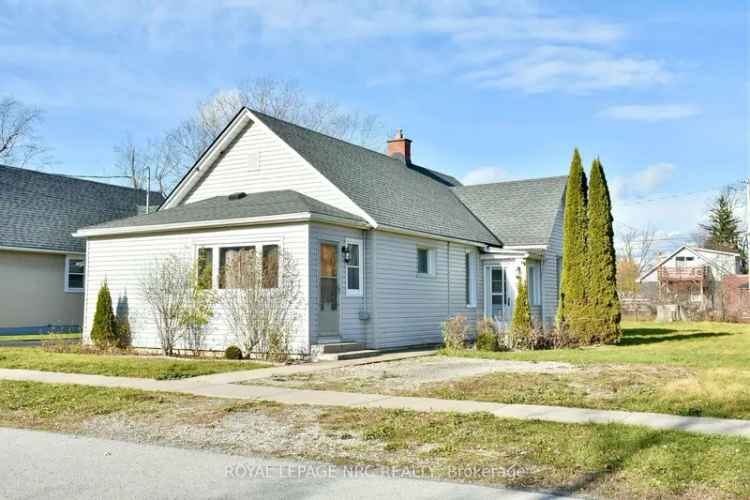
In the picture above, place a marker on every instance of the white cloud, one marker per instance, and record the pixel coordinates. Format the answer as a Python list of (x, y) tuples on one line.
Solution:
[(642, 182), (503, 45), (639, 201), (650, 113), (485, 175), (573, 70)]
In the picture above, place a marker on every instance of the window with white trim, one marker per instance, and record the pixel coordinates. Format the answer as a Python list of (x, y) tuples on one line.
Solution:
[(534, 275), (75, 274), (213, 274), (354, 282), (425, 261), (471, 279)]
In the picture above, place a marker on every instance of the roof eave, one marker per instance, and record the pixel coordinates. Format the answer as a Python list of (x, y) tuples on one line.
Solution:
[(420, 234), (222, 223)]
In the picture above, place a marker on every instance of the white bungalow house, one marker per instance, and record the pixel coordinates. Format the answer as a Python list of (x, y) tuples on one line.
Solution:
[(690, 273), (387, 249)]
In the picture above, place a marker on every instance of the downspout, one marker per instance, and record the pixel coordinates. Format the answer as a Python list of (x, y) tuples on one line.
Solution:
[(449, 279)]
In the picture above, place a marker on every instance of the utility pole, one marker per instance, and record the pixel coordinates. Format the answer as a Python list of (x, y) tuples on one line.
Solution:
[(148, 189), (747, 232)]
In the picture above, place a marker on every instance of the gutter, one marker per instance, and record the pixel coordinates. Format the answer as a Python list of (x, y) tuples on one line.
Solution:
[(39, 250), (245, 221)]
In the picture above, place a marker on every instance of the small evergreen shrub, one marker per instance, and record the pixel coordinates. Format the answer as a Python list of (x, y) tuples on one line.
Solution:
[(104, 330), (487, 336), (233, 352), (521, 328), (455, 331)]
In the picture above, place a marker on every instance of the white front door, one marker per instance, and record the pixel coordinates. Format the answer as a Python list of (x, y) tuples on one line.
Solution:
[(499, 294)]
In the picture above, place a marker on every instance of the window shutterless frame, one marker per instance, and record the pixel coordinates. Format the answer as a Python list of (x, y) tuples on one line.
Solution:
[(471, 279), (425, 261), (215, 256), (354, 273), (75, 274)]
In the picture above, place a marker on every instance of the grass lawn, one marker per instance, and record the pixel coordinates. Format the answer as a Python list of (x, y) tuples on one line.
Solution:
[(715, 392), (699, 345), (700, 369), (118, 365), (612, 461), (39, 337)]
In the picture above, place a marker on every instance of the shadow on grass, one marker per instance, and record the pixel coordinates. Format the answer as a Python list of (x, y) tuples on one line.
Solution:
[(650, 440), (654, 335)]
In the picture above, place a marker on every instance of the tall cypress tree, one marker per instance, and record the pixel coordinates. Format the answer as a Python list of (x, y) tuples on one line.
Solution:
[(603, 304), (574, 278)]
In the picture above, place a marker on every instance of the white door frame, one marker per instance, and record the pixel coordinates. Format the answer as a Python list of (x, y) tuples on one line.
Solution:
[(338, 314), (509, 266)]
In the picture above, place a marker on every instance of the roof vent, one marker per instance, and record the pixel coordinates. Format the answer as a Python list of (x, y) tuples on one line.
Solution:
[(237, 196)]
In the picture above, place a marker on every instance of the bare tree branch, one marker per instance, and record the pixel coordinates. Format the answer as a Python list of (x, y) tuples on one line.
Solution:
[(171, 155), (18, 142)]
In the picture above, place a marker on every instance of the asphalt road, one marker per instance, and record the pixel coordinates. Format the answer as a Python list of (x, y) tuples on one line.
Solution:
[(42, 465)]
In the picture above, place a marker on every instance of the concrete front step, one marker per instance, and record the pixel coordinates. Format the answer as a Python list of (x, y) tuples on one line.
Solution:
[(340, 356), (338, 347)]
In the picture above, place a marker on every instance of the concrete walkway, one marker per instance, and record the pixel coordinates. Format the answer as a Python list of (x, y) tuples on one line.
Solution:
[(44, 465), (223, 386)]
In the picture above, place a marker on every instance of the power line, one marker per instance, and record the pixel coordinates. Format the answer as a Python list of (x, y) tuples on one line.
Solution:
[(641, 200)]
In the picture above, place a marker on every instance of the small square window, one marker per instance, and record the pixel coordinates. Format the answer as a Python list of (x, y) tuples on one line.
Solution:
[(75, 272)]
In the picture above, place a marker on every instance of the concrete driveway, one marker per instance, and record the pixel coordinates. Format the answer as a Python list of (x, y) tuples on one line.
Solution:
[(44, 465)]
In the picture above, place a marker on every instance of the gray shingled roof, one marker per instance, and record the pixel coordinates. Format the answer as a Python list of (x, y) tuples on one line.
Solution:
[(41, 211), (518, 212), (262, 204), (384, 187)]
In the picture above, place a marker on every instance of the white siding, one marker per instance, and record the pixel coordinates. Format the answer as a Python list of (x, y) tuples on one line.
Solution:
[(550, 292), (259, 161), (351, 328), (123, 260), (409, 308), (719, 264)]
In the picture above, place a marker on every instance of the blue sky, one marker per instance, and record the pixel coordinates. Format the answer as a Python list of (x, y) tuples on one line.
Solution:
[(486, 90)]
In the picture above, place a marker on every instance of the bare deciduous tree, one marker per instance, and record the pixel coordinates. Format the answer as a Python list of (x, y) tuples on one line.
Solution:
[(260, 301), (132, 161), (638, 247), (165, 287), (635, 256), (18, 141), (173, 154)]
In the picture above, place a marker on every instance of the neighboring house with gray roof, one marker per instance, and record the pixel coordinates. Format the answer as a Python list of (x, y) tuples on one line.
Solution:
[(387, 249), (42, 266), (690, 274)]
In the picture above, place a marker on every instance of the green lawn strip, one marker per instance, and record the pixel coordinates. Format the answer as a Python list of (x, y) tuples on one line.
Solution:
[(53, 336), (612, 461), (118, 365), (723, 393), (58, 406), (701, 345)]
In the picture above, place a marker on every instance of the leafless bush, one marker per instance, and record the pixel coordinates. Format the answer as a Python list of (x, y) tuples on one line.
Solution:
[(455, 331), (260, 301), (165, 287), (198, 310)]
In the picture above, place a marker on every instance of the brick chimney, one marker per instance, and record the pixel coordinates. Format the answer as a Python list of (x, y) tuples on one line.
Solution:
[(400, 147)]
